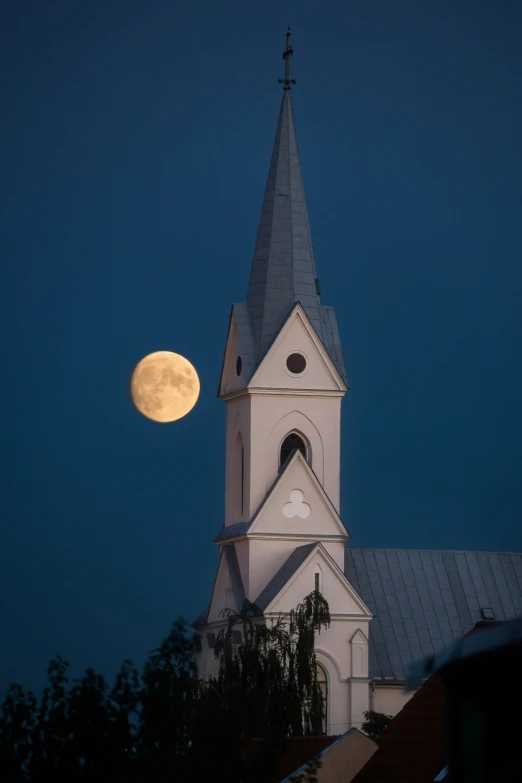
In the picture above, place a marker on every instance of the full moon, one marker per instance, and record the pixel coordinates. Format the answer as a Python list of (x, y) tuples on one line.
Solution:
[(164, 386)]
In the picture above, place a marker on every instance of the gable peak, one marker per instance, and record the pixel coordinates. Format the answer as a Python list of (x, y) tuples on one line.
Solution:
[(297, 349)]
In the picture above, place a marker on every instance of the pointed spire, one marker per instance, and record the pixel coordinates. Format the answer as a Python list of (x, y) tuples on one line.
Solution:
[(283, 269)]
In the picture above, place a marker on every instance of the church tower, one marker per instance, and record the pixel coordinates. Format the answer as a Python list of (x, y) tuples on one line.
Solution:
[(283, 380)]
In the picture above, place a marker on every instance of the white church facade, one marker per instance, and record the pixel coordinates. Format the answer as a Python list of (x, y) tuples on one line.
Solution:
[(283, 381)]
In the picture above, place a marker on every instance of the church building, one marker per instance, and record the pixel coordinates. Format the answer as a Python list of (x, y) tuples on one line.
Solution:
[(282, 382)]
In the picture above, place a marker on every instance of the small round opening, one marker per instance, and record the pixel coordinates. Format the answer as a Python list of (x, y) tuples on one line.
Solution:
[(239, 365), (296, 363)]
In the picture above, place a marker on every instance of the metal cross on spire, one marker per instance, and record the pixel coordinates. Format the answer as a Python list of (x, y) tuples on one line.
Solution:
[(287, 54)]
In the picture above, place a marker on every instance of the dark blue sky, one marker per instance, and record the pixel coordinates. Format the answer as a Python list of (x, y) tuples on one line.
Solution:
[(137, 139)]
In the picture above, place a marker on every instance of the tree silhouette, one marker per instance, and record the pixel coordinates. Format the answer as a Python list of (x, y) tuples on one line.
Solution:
[(374, 723), (168, 723)]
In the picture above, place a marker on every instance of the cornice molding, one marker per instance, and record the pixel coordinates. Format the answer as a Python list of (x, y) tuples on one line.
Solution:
[(257, 391), (306, 537)]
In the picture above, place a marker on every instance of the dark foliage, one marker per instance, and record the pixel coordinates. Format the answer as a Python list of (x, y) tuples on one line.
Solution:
[(167, 723), (374, 723)]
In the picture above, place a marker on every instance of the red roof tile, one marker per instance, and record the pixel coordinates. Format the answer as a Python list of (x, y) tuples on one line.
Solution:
[(411, 747)]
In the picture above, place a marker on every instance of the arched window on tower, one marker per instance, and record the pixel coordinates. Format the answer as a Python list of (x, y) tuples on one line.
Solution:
[(240, 475), (291, 442), (323, 686), (242, 479)]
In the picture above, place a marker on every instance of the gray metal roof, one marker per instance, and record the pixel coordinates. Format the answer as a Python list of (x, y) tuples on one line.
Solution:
[(332, 339), (285, 573), (498, 637), (425, 599), (229, 531), (247, 346), (283, 269)]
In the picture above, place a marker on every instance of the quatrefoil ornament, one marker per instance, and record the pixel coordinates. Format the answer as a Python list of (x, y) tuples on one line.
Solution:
[(296, 507)]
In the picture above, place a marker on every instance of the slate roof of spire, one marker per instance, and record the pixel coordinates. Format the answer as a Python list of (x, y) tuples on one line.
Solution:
[(283, 269)]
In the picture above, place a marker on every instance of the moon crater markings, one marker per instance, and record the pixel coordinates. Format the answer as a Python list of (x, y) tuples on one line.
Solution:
[(164, 386)]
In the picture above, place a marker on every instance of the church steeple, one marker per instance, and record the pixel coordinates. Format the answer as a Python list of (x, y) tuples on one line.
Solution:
[(283, 270), (283, 381)]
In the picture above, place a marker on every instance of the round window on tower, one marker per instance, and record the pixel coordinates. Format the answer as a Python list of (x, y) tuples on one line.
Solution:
[(296, 363), (239, 366)]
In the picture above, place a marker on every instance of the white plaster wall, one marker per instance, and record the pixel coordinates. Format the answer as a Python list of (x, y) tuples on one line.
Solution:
[(264, 421), (360, 702), (265, 558), (389, 699), (336, 551), (348, 698), (230, 380), (223, 596), (297, 421), (322, 519), (237, 420), (359, 654), (207, 663), (296, 336), (243, 559), (341, 598), (334, 647), (320, 423), (338, 701), (205, 660), (309, 404)]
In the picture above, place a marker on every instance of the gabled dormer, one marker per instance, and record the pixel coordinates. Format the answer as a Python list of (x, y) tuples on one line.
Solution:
[(297, 359), (297, 507)]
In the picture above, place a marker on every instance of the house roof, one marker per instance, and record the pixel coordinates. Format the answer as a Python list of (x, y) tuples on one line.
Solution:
[(499, 636), (351, 736), (423, 600), (411, 747)]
